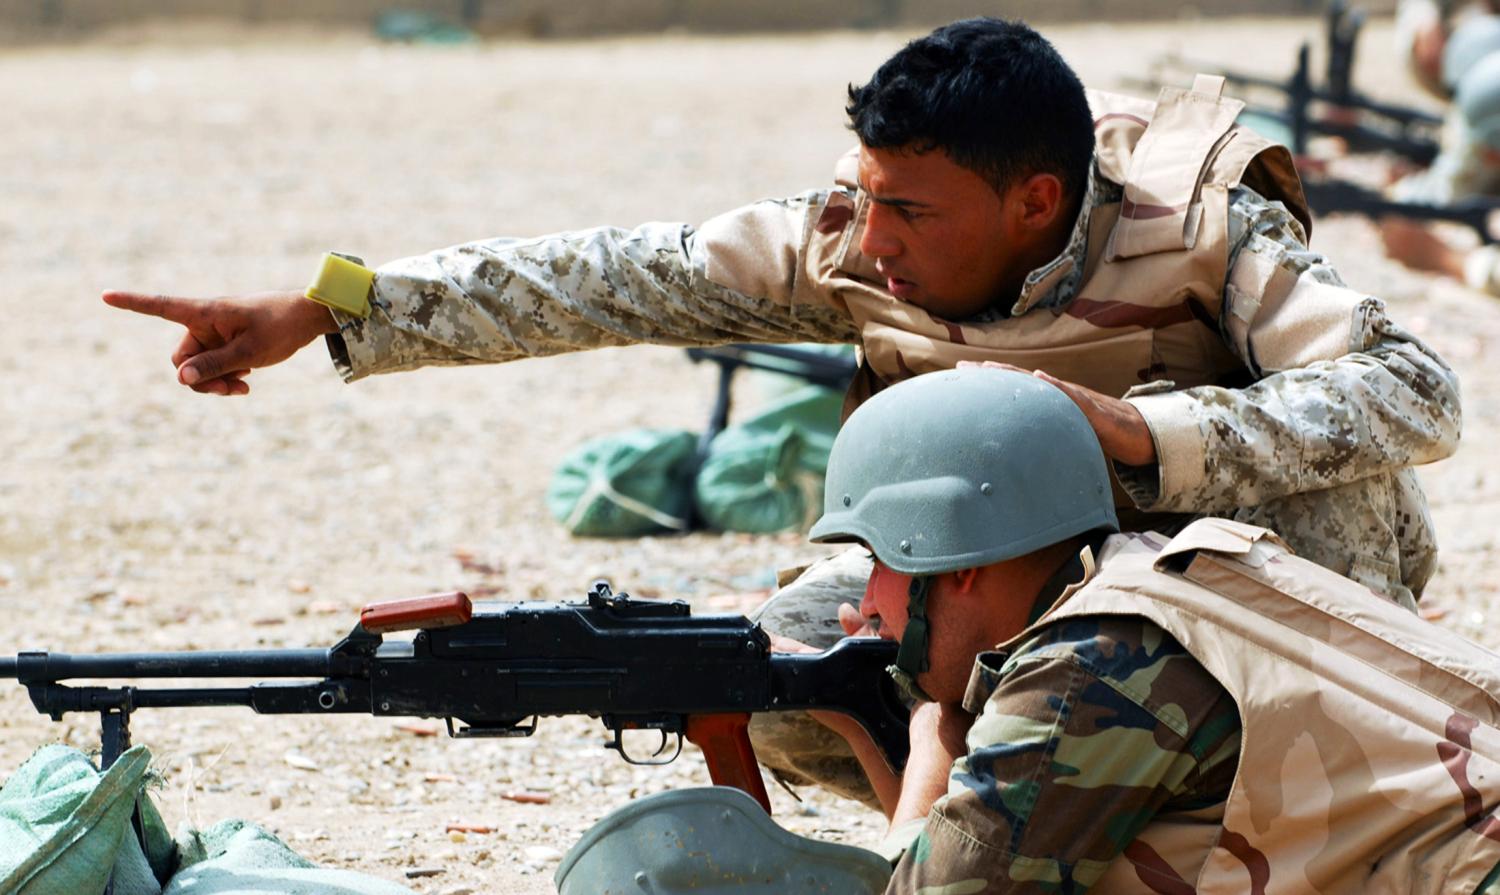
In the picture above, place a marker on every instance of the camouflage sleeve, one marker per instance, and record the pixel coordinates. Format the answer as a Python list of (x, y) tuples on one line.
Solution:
[(1343, 392), (1083, 734), (505, 299)]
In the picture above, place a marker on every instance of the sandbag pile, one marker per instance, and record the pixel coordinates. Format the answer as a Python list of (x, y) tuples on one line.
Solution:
[(67, 829), (762, 475)]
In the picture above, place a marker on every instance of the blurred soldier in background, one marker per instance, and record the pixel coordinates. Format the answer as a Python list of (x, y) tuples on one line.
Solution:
[(1148, 258), (1452, 49)]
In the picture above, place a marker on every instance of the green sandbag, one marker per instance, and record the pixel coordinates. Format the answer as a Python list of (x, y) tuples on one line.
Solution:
[(234, 857), (420, 26), (64, 826), (66, 829), (628, 484), (766, 474)]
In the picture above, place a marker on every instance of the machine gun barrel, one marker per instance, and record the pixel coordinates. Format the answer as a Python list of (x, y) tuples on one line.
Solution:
[(31, 667), (1349, 99), (1331, 196)]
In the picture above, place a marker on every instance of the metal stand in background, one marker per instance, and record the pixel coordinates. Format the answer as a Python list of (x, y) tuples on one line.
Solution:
[(818, 368), (114, 734), (813, 366)]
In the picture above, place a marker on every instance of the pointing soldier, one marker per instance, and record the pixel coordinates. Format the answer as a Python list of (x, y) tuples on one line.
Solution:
[(1147, 258)]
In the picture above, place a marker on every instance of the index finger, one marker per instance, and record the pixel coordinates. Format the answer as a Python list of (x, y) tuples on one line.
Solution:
[(187, 311), (854, 624)]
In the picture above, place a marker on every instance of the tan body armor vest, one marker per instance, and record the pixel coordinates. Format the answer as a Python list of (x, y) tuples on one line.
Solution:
[(1148, 305), (1370, 754)]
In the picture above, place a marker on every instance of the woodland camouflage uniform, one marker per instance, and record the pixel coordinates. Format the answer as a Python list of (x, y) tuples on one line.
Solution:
[(1105, 754)]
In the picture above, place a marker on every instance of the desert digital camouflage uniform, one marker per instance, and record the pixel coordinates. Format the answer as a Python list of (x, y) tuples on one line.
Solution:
[(1334, 410), (1106, 754)]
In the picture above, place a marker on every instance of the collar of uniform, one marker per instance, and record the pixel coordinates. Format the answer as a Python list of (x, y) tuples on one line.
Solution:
[(989, 665), (1054, 283)]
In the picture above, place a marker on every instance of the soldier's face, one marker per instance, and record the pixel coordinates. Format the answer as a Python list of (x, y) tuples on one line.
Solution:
[(956, 634), (885, 601), (939, 234)]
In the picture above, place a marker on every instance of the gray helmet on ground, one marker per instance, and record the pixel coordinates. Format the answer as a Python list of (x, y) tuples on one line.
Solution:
[(963, 468), (710, 841)]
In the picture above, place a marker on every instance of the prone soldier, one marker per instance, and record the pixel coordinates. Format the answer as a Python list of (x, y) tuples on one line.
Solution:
[(1136, 712), (1147, 258), (1452, 49)]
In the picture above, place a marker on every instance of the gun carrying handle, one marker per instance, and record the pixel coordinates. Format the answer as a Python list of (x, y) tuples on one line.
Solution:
[(443, 610), (725, 741)]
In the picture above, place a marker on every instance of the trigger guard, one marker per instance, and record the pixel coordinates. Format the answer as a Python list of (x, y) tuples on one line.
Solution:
[(618, 745)]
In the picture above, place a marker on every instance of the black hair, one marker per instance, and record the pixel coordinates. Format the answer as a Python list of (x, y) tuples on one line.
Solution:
[(992, 94)]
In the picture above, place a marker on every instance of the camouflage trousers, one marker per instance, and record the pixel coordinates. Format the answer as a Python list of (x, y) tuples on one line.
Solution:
[(796, 748)]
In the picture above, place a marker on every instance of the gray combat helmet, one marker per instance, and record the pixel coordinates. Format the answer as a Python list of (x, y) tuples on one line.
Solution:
[(963, 468), (1470, 42), (956, 470)]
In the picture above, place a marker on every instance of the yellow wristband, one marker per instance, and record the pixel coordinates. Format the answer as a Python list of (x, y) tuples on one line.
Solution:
[(342, 283)]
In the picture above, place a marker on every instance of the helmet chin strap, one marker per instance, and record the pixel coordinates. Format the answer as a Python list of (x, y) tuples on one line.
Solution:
[(911, 656)]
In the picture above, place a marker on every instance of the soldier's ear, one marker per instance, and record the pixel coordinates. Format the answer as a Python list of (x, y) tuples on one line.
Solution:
[(1041, 200), (965, 581)]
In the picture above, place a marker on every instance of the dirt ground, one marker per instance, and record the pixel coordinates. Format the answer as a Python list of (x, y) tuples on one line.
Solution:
[(137, 515)]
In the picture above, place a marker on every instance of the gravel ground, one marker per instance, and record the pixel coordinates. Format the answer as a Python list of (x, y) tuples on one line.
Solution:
[(134, 514)]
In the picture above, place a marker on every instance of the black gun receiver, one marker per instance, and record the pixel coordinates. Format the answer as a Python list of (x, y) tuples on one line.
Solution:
[(492, 670)]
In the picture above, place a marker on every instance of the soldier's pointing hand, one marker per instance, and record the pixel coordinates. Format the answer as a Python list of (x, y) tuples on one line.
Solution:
[(226, 338)]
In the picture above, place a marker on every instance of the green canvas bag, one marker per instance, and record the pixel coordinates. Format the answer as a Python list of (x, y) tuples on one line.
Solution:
[(628, 484)]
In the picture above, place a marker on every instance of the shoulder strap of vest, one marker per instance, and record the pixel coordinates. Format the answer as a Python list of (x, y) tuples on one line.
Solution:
[(1256, 571), (1160, 210), (1269, 169), (1164, 153)]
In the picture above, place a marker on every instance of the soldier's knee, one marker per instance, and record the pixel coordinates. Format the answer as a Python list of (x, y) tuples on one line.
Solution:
[(800, 751)]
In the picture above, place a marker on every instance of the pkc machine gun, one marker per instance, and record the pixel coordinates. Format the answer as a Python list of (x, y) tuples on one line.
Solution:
[(491, 671)]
